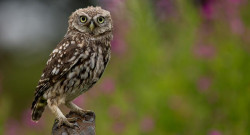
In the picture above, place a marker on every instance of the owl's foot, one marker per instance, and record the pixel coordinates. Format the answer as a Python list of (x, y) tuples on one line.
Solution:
[(73, 120), (70, 122), (87, 114)]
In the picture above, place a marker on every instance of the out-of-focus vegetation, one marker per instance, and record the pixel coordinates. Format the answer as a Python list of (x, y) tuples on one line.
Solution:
[(178, 67)]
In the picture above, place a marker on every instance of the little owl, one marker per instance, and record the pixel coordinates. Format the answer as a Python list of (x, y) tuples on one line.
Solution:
[(76, 63)]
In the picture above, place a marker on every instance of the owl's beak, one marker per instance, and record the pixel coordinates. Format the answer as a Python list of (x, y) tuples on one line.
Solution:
[(91, 26)]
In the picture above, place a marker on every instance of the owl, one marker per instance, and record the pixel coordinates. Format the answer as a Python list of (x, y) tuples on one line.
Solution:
[(76, 63)]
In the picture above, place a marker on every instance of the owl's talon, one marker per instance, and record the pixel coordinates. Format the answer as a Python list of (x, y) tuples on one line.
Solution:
[(87, 114), (64, 121), (72, 120), (76, 125), (83, 113)]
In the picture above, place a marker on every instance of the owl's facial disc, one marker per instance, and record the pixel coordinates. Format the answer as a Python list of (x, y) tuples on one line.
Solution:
[(92, 21)]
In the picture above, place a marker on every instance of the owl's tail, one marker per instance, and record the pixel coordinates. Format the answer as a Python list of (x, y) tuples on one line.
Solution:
[(38, 107)]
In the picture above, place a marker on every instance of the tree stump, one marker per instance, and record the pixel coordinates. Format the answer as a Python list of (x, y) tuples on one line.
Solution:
[(85, 123)]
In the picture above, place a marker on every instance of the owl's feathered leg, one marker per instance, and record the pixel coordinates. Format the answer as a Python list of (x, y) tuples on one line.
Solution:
[(74, 108), (59, 115)]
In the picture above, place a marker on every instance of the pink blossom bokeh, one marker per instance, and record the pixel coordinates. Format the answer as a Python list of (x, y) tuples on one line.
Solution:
[(204, 83), (204, 51), (80, 100), (208, 9), (114, 112), (118, 127), (214, 132), (108, 86), (166, 9), (147, 124), (118, 45)]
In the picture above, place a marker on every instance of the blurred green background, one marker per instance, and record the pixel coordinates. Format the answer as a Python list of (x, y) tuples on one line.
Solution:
[(178, 67)]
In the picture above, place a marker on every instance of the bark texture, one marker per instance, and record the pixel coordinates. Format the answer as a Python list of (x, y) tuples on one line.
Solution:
[(85, 125)]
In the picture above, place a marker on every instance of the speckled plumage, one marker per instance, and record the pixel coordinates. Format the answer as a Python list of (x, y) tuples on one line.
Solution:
[(76, 64)]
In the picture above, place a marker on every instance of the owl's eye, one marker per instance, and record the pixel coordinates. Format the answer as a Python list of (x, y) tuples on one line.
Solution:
[(100, 19), (83, 19)]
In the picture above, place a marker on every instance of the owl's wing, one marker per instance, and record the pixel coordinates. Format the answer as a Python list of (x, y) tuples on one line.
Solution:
[(62, 59)]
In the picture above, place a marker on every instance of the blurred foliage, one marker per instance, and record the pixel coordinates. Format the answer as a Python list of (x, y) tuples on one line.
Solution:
[(177, 68)]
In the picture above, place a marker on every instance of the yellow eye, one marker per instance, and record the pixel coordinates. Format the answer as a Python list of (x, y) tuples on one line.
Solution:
[(100, 19), (83, 19)]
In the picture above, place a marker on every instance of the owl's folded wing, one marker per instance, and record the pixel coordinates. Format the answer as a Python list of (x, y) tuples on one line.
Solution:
[(62, 59)]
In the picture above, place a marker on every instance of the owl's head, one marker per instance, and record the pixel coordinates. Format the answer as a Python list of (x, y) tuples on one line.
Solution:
[(92, 20)]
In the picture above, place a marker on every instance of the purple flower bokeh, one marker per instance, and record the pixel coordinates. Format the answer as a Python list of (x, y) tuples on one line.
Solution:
[(79, 100), (204, 51), (147, 124), (237, 26), (229, 10), (118, 127), (112, 5), (118, 45), (233, 16), (207, 9), (108, 86), (214, 132), (165, 9), (204, 83), (114, 112)]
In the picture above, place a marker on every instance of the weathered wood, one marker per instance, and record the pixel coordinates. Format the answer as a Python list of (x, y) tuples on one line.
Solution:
[(85, 123)]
